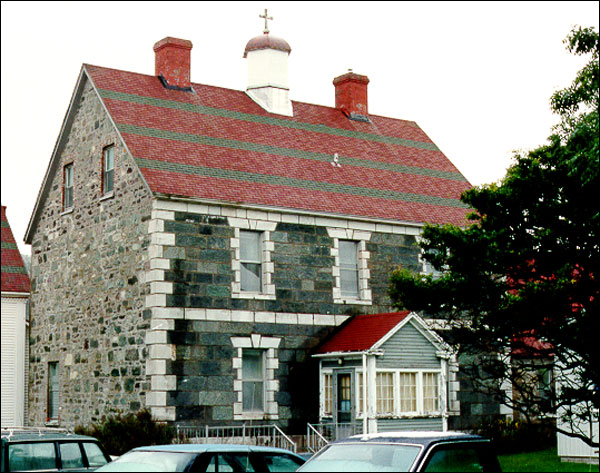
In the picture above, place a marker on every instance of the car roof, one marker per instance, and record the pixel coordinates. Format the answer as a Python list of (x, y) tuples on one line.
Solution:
[(211, 447), (37, 435), (424, 438)]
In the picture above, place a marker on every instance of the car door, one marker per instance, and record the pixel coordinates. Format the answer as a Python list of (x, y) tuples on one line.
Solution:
[(460, 457)]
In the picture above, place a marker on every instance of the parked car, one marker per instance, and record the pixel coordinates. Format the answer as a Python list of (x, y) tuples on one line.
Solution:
[(35, 449), (406, 451), (206, 457)]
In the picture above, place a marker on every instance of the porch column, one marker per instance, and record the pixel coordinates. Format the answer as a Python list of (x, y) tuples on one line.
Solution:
[(371, 381)]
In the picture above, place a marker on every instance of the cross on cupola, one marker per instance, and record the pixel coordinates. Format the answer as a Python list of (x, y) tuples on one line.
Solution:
[(267, 18)]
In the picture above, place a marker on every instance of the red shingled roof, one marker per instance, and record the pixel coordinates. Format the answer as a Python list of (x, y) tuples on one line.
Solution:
[(14, 275), (362, 332), (218, 144)]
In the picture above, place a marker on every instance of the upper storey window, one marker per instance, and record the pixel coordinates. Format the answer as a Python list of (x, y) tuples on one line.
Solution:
[(349, 268), (68, 187), (108, 169), (251, 261)]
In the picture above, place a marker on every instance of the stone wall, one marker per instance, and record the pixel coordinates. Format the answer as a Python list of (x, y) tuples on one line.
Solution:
[(201, 271), (88, 279), (199, 322)]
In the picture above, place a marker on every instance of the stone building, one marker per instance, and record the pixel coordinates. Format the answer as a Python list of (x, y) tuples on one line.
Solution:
[(14, 316), (192, 245)]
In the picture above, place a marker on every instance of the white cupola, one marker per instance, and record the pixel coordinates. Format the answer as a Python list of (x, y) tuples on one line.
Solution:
[(267, 58)]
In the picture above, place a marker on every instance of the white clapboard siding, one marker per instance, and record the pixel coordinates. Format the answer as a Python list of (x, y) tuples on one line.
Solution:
[(13, 361)]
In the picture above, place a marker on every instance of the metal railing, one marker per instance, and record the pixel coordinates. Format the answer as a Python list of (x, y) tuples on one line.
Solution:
[(319, 435), (314, 440), (263, 435)]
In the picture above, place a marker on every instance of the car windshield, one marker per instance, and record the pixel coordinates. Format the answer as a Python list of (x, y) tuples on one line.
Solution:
[(363, 457), (150, 461)]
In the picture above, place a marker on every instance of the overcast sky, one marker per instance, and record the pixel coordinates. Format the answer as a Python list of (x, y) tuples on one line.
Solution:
[(475, 76)]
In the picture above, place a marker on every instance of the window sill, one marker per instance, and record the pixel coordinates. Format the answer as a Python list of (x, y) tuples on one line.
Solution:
[(67, 211), (255, 416), (352, 300), (52, 423), (110, 195), (252, 295)]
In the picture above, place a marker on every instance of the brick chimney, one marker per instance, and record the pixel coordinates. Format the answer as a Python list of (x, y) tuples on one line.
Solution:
[(172, 64), (351, 95)]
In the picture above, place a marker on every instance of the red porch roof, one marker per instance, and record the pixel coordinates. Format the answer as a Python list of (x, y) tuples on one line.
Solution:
[(362, 332)]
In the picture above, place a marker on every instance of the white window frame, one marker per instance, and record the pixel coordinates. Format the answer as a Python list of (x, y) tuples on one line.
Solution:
[(323, 393), (365, 296), (265, 228), (269, 346), (258, 262), (68, 186), (261, 354), (108, 151), (420, 412)]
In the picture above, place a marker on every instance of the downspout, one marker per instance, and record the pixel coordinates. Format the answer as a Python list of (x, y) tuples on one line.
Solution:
[(364, 388)]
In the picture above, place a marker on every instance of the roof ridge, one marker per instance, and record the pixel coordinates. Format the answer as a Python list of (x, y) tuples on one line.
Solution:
[(409, 122)]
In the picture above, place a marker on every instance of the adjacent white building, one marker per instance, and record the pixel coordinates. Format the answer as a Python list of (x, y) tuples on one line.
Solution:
[(14, 318)]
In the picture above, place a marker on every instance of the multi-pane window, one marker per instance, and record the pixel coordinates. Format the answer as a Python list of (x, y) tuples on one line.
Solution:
[(402, 393), (431, 392), (348, 251), (108, 169), (251, 261), (327, 394), (385, 393), (361, 393), (53, 390), (68, 186), (408, 392), (253, 380)]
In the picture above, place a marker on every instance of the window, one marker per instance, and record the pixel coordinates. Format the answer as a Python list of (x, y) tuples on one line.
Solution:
[(250, 261), (31, 456), (70, 455), (385, 393), (408, 392), (327, 394), (255, 385), (349, 268), (108, 169), (94, 454), (431, 392), (53, 389), (361, 398), (253, 381), (402, 393), (68, 187)]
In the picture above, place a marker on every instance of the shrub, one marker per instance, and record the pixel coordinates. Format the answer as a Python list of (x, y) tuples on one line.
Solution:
[(120, 433), (516, 436)]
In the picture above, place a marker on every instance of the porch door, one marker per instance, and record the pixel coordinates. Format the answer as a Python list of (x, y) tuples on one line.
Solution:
[(343, 402)]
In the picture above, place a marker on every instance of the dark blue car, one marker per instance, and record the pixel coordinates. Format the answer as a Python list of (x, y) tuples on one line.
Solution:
[(407, 451)]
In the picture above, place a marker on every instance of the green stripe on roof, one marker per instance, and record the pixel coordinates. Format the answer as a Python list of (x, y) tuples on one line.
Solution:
[(9, 246), (14, 269), (289, 152), (4, 224), (219, 112), (296, 183)]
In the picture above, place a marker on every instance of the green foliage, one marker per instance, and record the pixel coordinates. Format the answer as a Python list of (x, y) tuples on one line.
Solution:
[(528, 263), (513, 436), (120, 433)]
